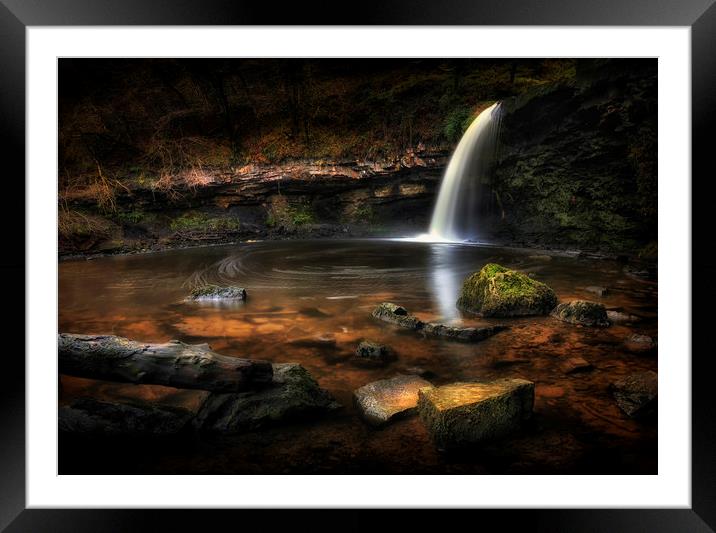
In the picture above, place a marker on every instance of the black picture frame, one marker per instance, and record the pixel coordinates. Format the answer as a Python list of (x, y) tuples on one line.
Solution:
[(699, 15)]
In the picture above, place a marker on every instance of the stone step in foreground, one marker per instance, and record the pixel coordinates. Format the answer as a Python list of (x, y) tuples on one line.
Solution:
[(381, 401), (465, 413)]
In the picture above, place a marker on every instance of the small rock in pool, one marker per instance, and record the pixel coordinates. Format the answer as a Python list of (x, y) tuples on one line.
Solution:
[(474, 412), (382, 401), (215, 292), (599, 291), (576, 364), (582, 312), (374, 352), (617, 317), (396, 314), (639, 343), (636, 394), (324, 340), (461, 334), (420, 371)]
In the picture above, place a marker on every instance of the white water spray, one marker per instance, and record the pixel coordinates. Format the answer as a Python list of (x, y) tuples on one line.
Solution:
[(455, 217)]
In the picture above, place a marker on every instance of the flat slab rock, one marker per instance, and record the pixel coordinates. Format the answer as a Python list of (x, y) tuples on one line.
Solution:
[(397, 314), (637, 393), (292, 395), (465, 413), (381, 401)]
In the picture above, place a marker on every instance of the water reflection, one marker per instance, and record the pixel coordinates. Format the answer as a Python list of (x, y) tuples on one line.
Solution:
[(446, 277)]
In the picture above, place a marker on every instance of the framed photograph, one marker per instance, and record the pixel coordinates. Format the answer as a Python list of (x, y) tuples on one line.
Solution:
[(436, 259)]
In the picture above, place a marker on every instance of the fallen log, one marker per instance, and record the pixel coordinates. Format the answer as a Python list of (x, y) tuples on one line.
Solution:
[(174, 364)]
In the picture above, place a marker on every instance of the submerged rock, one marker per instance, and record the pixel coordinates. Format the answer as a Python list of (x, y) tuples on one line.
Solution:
[(216, 292), (461, 334), (374, 352), (396, 314), (474, 412), (639, 343), (617, 317), (637, 393), (87, 415), (381, 401), (582, 312), (576, 364), (322, 341), (599, 291), (293, 394), (500, 292)]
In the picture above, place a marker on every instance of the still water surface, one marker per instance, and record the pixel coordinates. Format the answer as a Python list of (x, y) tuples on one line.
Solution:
[(301, 290)]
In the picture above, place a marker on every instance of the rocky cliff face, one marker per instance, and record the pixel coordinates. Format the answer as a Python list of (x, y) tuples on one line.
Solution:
[(577, 161), (301, 199)]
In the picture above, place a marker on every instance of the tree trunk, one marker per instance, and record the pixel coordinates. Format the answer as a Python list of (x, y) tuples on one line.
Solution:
[(174, 363)]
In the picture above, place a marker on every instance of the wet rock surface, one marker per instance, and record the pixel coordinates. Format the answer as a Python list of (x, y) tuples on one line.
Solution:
[(396, 314), (582, 312), (374, 352), (216, 292), (636, 394), (619, 317), (90, 416), (381, 401), (599, 291), (638, 343), (460, 414), (293, 395), (576, 364), (496, 291)]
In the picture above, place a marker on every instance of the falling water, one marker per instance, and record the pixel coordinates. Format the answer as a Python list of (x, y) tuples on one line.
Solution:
[(455, 217)]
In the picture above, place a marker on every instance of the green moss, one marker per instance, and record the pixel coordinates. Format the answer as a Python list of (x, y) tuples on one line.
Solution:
[(283, 214), (498, 291), (195, 221), (582, 312)]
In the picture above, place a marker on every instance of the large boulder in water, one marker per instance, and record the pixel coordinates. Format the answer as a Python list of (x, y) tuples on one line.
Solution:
[(468, 413), (500, 292), (582, 312), (293, 394)]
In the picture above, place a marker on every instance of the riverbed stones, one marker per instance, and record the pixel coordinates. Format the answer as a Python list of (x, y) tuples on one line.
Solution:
[(381, 401), (638, 343), (216, 292), (636, 394), (599, 291), (292, 395), (496, 291), (465, 413), (619, 317), (572, 365), (582, 312), (396, 314), (374, 352)]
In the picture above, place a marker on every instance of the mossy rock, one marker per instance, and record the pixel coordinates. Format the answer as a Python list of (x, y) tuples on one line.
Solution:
[(582, 312), (500, 292)]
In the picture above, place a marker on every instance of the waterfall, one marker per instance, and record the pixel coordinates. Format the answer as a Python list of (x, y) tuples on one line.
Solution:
[(460, 200)]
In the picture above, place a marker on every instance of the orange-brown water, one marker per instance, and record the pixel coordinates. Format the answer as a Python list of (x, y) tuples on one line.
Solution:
[(299, 290)]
